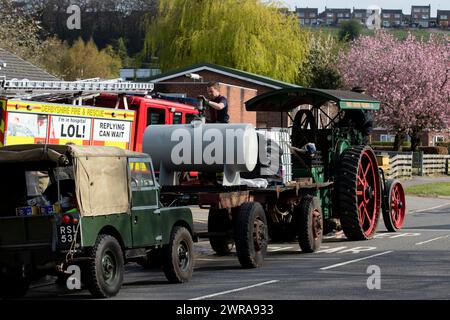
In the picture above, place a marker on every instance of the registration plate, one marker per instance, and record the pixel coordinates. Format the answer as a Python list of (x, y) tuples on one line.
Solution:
[(66, 234)]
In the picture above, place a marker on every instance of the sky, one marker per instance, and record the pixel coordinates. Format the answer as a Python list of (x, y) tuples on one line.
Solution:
[(363, 4)]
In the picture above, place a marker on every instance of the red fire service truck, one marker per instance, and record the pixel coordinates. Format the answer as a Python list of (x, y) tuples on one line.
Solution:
[(92, 112)]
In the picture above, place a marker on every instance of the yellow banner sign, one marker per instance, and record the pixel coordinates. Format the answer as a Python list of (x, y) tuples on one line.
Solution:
[(68, 110)]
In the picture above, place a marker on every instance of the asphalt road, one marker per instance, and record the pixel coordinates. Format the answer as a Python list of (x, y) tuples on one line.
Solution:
[(412, 264)]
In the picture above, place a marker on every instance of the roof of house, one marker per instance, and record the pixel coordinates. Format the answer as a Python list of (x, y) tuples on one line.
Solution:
[(360, 10), (307, 9), (392, 11), (421, 7), (337, 10), (443, 12), (234, 73), (17, 68)]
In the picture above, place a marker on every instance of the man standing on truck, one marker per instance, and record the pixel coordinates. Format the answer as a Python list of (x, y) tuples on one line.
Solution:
[(217, 105)]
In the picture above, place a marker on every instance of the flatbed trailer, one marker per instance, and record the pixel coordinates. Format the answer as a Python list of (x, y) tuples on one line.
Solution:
[(248, 217)]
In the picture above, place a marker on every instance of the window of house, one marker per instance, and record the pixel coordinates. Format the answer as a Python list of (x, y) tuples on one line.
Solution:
[(397, 16), (156, 116), (424, 17), (386, 15), (312, 15), (439, 139), (307, 21), (387, 138), (358, 15), (301, 14), (340, 15), (444, 17)]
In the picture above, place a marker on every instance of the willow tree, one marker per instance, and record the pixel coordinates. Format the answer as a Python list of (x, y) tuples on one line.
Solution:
[(244, 34)]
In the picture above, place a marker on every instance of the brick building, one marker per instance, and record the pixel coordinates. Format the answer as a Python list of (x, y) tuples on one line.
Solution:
[(420, 16), (391, 18), (427, 138), (333, 17), (361, 15), (307, 16), (443, 18), (237, 86)]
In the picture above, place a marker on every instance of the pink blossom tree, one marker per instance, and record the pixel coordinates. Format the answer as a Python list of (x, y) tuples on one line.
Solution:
[(411, 78)]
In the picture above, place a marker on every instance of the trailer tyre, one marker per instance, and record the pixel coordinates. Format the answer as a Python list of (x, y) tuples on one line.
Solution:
[(394, 206), (251, 235), (103, 275), (219, 221), (178, 256), (310, 224)]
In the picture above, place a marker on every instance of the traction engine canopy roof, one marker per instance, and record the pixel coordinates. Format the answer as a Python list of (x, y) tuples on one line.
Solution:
[(285, 100)]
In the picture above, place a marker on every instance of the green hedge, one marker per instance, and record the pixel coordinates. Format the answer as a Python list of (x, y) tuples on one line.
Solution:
[(405, 144), (434, 150), (445, 145)]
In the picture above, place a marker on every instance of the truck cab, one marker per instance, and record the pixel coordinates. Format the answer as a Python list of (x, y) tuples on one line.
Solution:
[(95, 208), (149, 111)]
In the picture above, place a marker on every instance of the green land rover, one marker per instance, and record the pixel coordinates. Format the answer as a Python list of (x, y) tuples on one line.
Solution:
[(92, 208)]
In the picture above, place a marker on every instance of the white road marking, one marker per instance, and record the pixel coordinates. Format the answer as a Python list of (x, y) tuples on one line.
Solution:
[(279, 249), (356, 260), (429, 209), (235, 290), (206, 259), (431, 240), (430, 230)]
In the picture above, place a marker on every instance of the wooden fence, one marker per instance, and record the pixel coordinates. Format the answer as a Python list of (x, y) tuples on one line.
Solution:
[(434, 165), (403, 165), (400, 165)]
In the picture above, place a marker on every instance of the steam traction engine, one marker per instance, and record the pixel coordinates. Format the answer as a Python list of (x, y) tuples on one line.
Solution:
[(335, 177)]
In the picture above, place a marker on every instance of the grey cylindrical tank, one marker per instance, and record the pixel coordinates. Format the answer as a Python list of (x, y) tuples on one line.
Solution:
[(228, 148)]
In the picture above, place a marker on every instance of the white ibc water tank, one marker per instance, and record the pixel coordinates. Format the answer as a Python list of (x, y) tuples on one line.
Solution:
[(228, 148)]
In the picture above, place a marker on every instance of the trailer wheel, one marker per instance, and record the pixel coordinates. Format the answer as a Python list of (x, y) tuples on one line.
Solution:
[(13, 286), (310, 224), (178, 256), (394, 206), (103, 275), (251, 235), (219, 221), (358, 189)]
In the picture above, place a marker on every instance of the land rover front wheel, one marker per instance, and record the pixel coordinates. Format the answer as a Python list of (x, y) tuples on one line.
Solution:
[(103, 275), (178, 256)]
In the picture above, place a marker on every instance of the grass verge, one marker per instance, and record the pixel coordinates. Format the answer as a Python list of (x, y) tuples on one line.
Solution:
[(438, 189)]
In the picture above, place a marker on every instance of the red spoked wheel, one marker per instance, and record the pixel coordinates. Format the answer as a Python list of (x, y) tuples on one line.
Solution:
[(359, 193), (394, 206)]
